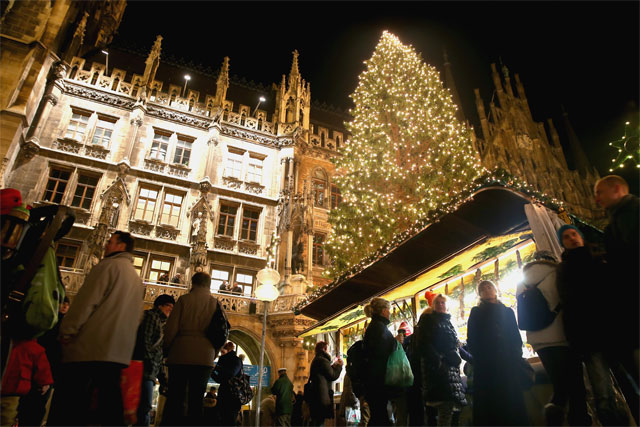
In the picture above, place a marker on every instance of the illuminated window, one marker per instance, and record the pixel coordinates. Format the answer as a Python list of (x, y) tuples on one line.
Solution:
[(66, 254), (104, 131), (183, 150), (250, 219), (85, 191), (160, 268), (171, 209), (138, 263), (335, 196), (318, 249), (77, 125), (159, 146), (254, 169), (227, 220), (56, 185), (146, 204), (233, 167), (217, 278), (245, 281)]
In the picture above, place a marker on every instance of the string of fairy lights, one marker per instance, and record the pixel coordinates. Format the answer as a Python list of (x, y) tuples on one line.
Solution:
[(407, 154), (628, 149), (497, 177)]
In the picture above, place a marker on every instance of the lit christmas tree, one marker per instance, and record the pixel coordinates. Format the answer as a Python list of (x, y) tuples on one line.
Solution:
[(407, 154)]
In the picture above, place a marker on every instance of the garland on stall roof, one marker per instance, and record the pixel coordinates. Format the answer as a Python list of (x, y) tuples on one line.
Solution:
[(498, 176)]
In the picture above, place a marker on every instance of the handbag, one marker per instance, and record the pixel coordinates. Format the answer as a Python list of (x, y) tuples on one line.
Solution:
[(130, 382), (240, 387), (398, 369)]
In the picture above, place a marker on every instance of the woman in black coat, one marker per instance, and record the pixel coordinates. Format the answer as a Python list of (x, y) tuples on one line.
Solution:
[(438, 346), (496, 346), (321, 375), (379, 343), (229, 365)]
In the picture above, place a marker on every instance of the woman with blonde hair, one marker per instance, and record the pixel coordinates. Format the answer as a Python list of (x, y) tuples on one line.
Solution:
[(379, 343), (496, 346)]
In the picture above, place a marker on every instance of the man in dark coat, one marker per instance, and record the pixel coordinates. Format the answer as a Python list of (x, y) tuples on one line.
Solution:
[(282, 388), (321, 375), (622, 245), (229, 365), (149, 350)]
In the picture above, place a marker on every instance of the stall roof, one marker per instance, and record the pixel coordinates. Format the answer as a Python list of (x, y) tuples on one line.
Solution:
[(491, 211)]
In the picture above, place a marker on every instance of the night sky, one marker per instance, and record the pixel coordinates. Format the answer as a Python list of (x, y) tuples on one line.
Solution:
[(580, 55)]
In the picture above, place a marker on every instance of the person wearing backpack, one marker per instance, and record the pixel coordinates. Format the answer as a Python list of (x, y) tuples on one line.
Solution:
[(548, 340), (190, 352), (229, 365), (580, 275)]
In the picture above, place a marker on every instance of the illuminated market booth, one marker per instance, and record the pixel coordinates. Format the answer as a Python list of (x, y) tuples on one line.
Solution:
[(488, 234)]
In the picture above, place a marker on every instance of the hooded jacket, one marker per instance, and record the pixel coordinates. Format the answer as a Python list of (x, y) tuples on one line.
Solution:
[(543, 275)]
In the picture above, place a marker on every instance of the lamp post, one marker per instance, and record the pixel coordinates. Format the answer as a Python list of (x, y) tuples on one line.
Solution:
[(266, 292), (106, 66), (260, 100), (187, 77)]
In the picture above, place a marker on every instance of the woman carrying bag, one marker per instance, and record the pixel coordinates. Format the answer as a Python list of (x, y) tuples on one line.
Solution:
[(321, 375)]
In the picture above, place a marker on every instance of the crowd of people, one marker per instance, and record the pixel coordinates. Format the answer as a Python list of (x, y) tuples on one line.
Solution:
[(74, 373)]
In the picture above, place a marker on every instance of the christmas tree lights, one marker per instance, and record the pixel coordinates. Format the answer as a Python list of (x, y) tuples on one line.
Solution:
[(406, 157)]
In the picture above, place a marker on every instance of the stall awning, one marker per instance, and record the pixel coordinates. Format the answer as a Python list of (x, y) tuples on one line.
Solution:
[(492, 211)]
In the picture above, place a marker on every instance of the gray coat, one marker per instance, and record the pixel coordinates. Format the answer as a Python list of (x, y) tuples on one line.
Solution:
[(184, 332), (104, 317)]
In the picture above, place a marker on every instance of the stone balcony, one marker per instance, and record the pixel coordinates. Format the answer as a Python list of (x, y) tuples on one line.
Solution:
[(73, 279)]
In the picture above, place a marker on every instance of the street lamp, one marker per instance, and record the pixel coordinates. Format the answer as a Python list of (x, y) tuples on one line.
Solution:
[(187, 77), (265, 292), (260, 100), (106, 55)]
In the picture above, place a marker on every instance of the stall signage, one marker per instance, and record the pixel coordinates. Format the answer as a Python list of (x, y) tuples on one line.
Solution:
[(252, 371)]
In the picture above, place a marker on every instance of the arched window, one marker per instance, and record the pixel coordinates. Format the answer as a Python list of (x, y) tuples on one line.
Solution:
[(74, 71), (114, 86), (134, 92), (319, 187), (94, 79), (337, 142)]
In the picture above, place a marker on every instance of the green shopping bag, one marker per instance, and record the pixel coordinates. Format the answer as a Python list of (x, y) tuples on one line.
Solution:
[(398, 369)]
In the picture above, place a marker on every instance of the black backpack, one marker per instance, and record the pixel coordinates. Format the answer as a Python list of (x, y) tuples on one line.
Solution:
[(356, 367), (533, 310), (218, 330)]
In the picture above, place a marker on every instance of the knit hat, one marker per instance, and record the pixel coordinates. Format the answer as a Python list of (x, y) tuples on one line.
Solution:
[(429, 296), (9, 199), (565, 228), (405, 326)]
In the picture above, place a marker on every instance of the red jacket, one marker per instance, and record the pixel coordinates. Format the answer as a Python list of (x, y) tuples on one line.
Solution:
[(27, 363)]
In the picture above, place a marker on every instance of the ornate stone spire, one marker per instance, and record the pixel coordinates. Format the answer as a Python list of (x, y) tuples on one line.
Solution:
[(78, 39), (294, 73), (152, 62), (222, 84)]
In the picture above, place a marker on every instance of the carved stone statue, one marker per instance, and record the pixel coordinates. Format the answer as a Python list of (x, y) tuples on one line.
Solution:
[(195, 226), (297, 262)]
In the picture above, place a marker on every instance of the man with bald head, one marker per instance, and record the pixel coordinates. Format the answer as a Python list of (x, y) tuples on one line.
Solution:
[(621, 241)]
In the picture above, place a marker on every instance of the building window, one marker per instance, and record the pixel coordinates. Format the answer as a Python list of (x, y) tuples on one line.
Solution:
[(183, 150), (56, 185), (319, 187), (318, 249), (250, 219), (78, 125), (254, 169), (218, 277), (245, 281), (66, 254), (233, 167), (146, 204), (171, 209), (138, 263), (84, 191), (104, 131), (160, 268), (159, 145), (227, 220), (335, 196)]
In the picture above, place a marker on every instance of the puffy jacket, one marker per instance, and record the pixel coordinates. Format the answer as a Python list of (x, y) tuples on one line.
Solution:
[(27, 363), (322, 374), (440, 359), (543, 274)]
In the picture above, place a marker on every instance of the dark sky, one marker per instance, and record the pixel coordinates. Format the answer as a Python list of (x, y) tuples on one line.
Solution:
[(580, 55)]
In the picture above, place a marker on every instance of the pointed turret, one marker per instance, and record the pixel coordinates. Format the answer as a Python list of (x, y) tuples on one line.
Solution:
[(152, 63), (449, 82), (294, 74), (507, 80), (556, 146), (293, 101), (222, 84), (581, 162), (482, 116), (498, 84), (522, 95)]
